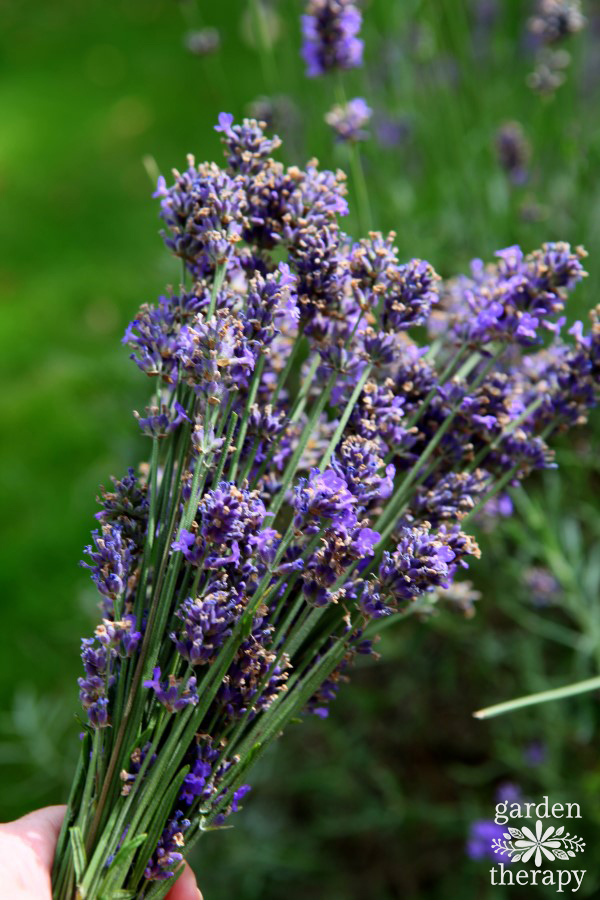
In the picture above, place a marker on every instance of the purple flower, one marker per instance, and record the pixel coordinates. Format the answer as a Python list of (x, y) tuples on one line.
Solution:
[(423, 561), (206, 624), (450, 497), (238, 796), (190, 545), (360, 462), (371, 603), (254, 665), (215, 356), (412, 291), (162, 422), (205, 776), (172, 693), (513, 300), (420, 563), (393, 131), (365, 541), (112, 561), (509, 792), (120, 636), (153, 334), (247, 147), (330, 29), (167, 856), (318, 705), (535, 753), (481, 835), (322, 271), (349, 121), (513, 151), (295, 302), (205, 213), (542, 586), (269, 301), (555, 20), (98, 713), (379, 416), (95, 682), (323, 495), (229, 514), (126, 505), (371, 259), (202, 42)]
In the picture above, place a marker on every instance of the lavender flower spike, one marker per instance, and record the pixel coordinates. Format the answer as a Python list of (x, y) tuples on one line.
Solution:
[(330, 29), (348, 121)]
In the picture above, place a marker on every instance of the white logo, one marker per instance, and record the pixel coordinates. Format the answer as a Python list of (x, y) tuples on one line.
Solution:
[(523, 843), (537, 846)]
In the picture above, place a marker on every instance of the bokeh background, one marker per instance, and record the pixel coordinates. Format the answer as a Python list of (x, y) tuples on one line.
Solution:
[(380, 800)]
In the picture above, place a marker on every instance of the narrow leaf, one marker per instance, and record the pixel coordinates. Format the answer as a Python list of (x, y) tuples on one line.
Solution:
[(79, 855)]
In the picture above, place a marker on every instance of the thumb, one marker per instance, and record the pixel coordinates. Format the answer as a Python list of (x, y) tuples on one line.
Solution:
[(185, 888)]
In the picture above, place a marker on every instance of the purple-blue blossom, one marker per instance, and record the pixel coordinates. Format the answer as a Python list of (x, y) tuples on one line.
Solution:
[(112, 560), (172, 692), (257, 548), (330, 30), (246, 145), (513, 151), (360, 463), (482, 833), (161, 421), (349, 121), (206, 623), (126, 505), (167, 857), (205, 213), (412, 292), (323, 495), (421, 562), (227, 513), (516, 299), (216, 356)]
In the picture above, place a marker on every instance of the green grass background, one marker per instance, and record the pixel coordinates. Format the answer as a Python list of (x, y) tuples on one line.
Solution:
[(376, 802)]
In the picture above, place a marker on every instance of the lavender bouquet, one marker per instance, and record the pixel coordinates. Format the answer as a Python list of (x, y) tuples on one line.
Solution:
[(312, 469)]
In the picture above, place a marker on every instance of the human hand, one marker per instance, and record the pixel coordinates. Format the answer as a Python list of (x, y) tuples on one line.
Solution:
[(27, 850)]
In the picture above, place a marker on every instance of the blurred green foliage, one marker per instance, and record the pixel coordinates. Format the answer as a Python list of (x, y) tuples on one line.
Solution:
[(376, 801)]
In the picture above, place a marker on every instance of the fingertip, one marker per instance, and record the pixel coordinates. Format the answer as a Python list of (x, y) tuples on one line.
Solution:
[(185, 888)]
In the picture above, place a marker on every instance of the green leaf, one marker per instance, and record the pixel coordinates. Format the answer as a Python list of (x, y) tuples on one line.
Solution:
[(118, 895), (569, 690), (79, 854), (161, 806), (117, 871)]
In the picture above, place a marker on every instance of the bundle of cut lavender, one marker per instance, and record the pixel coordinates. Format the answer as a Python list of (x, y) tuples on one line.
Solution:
[(312, 468)]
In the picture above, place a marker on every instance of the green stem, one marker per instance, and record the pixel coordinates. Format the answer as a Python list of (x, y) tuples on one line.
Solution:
[(570, 690), (244, 422), (217, 285), (344, 418), (358, 175), (306, 435)]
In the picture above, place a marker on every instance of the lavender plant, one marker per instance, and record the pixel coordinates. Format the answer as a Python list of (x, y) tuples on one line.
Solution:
[(552, 24), (348, 121), (331, 31), (312, 468)]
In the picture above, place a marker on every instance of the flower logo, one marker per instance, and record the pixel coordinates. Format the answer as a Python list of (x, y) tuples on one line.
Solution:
[(553, 843)]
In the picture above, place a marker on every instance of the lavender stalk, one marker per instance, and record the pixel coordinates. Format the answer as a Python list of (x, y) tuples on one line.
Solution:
[(276, 526)]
